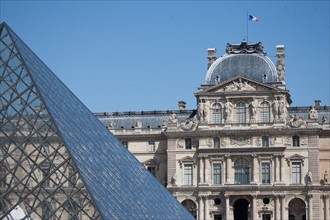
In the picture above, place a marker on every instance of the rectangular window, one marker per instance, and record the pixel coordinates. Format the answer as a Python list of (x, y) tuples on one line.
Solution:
[(296, 172), (265, 141), (216, 142), (188, 174), (216, 173), (265, 173), (188, 143), (151, 146), (295, 141), (266, 217)]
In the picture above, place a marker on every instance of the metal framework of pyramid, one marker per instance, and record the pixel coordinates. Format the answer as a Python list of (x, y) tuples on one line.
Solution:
[(57, 161)]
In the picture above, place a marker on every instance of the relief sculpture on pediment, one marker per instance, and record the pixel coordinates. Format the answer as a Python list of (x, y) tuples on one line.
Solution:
[(240, 86)]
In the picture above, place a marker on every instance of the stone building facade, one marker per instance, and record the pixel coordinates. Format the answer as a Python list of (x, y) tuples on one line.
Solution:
[(244, 152)]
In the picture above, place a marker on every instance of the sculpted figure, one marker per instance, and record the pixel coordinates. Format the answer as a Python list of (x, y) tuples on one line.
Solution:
[(282, 108), (173, 179), (228, 110), (309, 177), (276, 106), (325, 177), (325, 119), (253, 106), (312, 114), (173, 118)]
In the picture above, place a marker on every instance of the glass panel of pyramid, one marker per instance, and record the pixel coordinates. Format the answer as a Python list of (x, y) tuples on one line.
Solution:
[(57, 161)]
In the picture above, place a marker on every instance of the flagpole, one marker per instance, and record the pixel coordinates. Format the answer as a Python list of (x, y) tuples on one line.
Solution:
[(247, 27)]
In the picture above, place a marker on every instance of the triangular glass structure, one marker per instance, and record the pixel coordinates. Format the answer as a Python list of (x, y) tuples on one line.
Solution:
[(57, 161)]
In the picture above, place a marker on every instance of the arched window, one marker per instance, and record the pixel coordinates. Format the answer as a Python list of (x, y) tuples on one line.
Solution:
[(242, 171), (265, 112), (216, 113), (241, 112)]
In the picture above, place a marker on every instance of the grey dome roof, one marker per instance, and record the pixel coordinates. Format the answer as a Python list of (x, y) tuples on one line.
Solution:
[(242, 60)]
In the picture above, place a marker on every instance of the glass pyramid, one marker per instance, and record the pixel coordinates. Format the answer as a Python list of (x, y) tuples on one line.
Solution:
[(57, 161)]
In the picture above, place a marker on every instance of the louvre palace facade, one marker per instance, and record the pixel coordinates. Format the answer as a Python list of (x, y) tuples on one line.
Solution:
[(244, 152)]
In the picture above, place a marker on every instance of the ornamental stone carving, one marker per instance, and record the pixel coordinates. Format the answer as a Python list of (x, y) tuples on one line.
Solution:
[(240, 86), (312, 114), (138, 124), (111, 124), (180, 143), (279, 109), (189, 124), (240, 141), (253, 109), (295, 122), (172, 118)]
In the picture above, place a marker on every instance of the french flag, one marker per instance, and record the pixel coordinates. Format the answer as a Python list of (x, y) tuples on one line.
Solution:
[(253, 18)]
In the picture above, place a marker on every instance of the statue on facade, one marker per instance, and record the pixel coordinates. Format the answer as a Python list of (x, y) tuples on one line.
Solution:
[(325, 177), (325, 119), (228, 110), (174, 179), (202, 111), (253, 109), (282, 109), (295, 121), (312, 114), (138, 124), (173, 118), (111, 124), (276, 105), (309, 177)]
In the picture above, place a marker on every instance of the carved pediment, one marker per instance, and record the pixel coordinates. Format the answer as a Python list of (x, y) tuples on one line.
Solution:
[(295, 157), (238, 84), (187, 159)]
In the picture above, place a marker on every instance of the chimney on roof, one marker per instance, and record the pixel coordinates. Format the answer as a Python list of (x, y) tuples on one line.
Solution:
[(182, 105), (211, 56), (317, 103), (280, 66)]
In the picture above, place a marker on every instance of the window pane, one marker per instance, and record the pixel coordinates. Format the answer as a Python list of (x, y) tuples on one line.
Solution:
[(295, 141), (241, 112), (242, 171), (216, 113), (217, 173), (265, 112), (265, 141), (188, 143), (265, 172), (296, 172), (187, 174)]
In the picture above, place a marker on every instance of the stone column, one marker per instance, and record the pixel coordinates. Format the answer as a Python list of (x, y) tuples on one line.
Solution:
[(200, 208), (310, 207), (283, 216), (207, 167), (205, 207), (255, 178), (201, 169), (228, 169), (277, 207), (282, 168), (277, 168), (254, 207), (227, 207), (326, 207)]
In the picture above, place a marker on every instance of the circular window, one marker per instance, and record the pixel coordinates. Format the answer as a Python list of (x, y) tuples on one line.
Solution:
[(217, 201), (266, 201)]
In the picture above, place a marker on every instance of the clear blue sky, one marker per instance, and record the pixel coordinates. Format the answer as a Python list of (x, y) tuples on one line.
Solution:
[(145, 55)]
